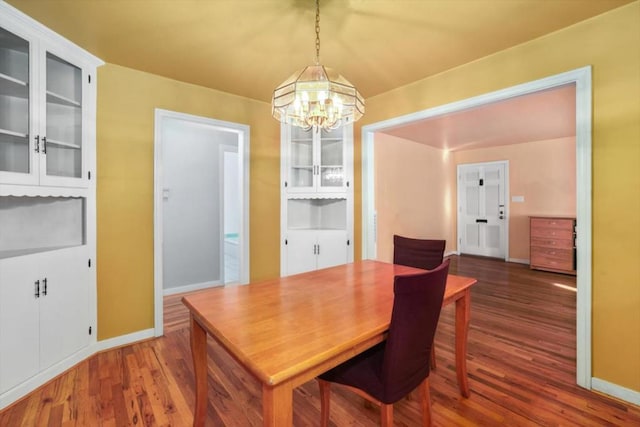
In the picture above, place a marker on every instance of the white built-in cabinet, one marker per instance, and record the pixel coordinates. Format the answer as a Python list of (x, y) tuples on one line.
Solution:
[(47, 204), (316, 198)]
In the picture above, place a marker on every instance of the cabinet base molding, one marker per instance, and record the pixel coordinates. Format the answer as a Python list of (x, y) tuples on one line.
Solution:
[(13, 395), (43, 377), (554, 270)]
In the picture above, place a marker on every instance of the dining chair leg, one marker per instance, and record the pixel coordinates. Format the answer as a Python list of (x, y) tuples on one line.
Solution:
[(425, 402), (432, 364), (386, 415), (325, 399)]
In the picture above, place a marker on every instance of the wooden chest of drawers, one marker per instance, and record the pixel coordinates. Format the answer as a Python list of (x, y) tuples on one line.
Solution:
[(553, 244)]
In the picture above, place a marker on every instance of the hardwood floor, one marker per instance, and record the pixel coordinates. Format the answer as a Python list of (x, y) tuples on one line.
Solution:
[(521, 371)]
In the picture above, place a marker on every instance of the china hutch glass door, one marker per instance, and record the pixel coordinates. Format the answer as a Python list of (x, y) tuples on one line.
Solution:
[(41, 112), (301, 166), (316, 160), (63, 142), (16, 159), (331, 159)]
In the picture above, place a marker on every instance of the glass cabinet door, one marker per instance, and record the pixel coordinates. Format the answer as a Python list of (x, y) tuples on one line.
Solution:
[(331, 159), (301, 166), (63, 145), (15, 155)]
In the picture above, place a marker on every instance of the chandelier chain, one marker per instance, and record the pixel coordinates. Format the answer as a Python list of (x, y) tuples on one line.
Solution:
[(317, 32)]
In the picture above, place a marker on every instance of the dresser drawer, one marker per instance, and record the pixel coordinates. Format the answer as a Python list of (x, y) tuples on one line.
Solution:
[(560, 259), (552, 243), (560, 254), (565, 224), (555, 233)]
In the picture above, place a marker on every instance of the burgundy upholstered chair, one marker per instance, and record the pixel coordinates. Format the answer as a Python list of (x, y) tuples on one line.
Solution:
[(390, 370), (419, 253)]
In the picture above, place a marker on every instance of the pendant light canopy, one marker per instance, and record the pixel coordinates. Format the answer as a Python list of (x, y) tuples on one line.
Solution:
[(317, 96)]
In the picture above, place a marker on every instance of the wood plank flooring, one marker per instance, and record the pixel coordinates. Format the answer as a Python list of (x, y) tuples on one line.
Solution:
[(521, 371)]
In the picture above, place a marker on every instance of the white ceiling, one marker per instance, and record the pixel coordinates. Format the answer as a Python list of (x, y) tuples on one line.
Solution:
[(543, 115)]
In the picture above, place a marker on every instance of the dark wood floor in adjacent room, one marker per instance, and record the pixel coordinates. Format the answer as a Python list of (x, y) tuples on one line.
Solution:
[(521, 371)]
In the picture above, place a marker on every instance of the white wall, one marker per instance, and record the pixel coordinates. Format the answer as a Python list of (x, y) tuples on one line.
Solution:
[(191, 206), (231, 191), (413, 191)]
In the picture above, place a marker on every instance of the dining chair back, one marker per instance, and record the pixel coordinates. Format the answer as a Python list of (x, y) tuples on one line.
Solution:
[(390, 370), (419, 253)]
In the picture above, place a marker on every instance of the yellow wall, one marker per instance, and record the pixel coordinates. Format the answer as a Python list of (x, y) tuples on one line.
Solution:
[(125, 137), (610, 43)]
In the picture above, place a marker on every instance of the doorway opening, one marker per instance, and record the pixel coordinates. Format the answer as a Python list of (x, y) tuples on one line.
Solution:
[(581, 78), (201, 205)]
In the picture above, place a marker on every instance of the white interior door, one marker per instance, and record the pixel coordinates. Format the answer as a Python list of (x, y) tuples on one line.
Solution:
[(482, 211)]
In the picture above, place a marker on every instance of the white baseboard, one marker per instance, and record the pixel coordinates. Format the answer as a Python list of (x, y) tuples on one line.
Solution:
[(619, 392), (190, 288), (123, 340), (515, 260)]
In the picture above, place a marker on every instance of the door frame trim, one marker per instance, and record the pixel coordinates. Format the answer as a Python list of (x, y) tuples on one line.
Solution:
[(581, 77), (243, 132), (505, 234), (222, 149)]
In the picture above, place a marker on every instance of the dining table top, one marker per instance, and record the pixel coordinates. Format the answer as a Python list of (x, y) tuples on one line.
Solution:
[(280, 328)]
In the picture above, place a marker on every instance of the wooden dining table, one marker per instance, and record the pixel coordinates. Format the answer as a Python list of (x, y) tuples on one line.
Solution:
[(288, 330)]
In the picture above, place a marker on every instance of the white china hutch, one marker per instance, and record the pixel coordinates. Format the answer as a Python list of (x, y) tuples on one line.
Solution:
[(47, 204), (316, 198)]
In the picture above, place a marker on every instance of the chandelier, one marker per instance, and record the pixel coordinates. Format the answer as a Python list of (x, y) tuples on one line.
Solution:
[(317, 96)]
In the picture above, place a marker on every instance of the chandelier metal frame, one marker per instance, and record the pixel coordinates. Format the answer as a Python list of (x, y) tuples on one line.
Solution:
[(317, 96)]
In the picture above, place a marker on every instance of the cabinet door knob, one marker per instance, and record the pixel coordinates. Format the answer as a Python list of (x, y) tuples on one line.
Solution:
[(37, 290), (37, 146), (44, 286)]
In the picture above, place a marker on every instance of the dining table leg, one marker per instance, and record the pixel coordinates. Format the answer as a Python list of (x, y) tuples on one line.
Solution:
[(277, 405), (463, 312), (199, 354)]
